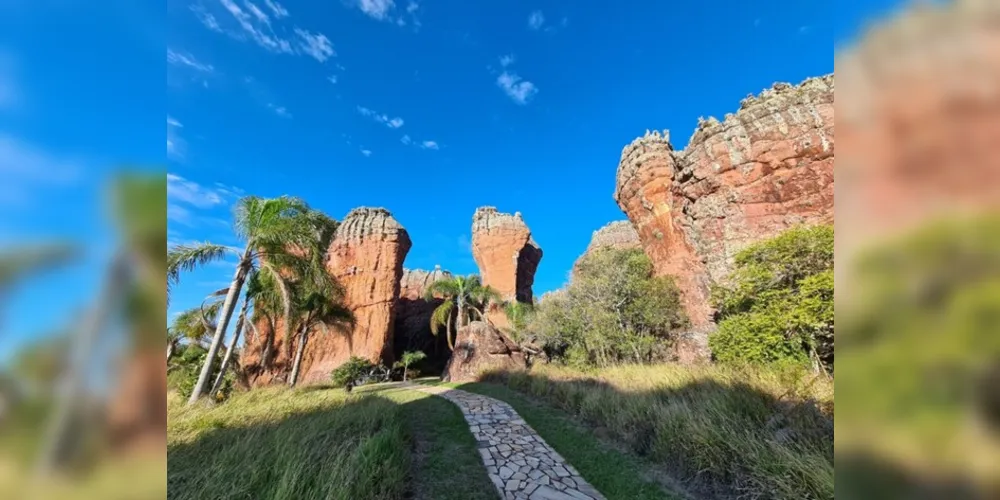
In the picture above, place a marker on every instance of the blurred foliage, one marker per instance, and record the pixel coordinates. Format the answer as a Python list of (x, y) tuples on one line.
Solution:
[(920, 355), (352, 370), (615, 311), (777, 305)]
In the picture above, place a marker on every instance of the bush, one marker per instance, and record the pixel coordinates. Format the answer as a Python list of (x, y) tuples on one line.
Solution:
[(614, 311), (352, 369), (777, 305), (185, 366)]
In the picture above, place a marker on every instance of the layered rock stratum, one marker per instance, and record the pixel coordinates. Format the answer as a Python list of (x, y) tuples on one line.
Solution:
[(506, 254), (761, 170), (366, 258), (618, 235)]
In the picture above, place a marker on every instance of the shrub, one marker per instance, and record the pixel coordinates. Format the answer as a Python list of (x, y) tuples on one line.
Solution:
[(352, 369), (614, 311), (777, 305), (184, 368)]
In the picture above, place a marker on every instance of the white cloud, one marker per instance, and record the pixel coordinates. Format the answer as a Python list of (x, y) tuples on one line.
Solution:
[(316, 45), (536, 20), (430, 145), (412, 7), (206, 18), (366, 152), (188, 60), (258, 26), (518, 89), (406, 140), (804, 30), (381, 117), (506, 60), (377, 9), (332, 78), (182, 190), (176, 145), (277, 8), (280, 111)]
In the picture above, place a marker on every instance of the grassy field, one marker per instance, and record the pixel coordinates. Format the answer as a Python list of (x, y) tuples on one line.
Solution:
[(722, 433), (323, 443)]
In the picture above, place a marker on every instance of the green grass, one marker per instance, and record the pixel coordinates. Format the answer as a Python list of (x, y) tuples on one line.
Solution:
[(323, 443), (616, 474), (724, 433)]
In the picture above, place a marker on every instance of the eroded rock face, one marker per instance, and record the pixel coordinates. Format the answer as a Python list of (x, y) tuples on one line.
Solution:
[(413, 315), (366, 257), (480, 347), (618, 234), (506, 254), (762, 170)]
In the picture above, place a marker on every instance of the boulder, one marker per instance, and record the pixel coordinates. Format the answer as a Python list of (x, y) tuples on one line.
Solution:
[(749, 177), (480, 347)]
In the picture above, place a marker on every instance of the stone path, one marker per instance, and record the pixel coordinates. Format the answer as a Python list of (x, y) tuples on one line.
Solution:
[(520, 463)]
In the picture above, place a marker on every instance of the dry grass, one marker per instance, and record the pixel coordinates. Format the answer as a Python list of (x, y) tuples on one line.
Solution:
[(722, 432)]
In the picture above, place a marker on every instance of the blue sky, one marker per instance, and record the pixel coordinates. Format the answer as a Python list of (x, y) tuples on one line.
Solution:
[(429, 108)]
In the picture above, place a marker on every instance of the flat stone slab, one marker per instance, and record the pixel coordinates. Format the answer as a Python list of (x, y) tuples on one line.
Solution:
[(520, 463)]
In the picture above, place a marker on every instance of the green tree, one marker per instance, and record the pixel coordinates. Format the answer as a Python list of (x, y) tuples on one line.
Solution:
[(614, 311), (269, 228), (777, 304), (194, 326), (318, 304), (463, 297), (409, 358), (519, 316)]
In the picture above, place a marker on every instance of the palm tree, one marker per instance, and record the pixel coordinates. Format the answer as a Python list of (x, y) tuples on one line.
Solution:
[(16, 264), (269, 227), (408, 358), (194, 325), (464, 295), (518, 315)]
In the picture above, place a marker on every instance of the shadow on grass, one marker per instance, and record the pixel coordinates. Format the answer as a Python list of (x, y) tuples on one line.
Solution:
[(706, 438), (384, 444)]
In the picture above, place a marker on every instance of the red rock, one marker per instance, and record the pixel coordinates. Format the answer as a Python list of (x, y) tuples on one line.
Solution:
[(480, 347), (760, 171), (506, 254), (366, 257)]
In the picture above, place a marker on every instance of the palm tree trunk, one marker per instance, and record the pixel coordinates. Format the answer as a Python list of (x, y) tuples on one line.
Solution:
[(404, 372), (58, 442), (447, 335), (220, 330), (240, 320), (303, 337), (171, 347)]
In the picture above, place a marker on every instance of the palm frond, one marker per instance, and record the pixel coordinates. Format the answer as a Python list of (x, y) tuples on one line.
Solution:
[(187, 258), (440, 316), (448, 287), (17, 263)]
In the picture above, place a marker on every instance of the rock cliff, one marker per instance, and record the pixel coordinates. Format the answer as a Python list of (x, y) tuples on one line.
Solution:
[(506, 254), (618, 234), (366, 257), (748, 177), (479, 347), (413, 316)]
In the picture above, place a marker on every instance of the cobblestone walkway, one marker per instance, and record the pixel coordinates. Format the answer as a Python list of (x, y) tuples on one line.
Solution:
[(520, 463)]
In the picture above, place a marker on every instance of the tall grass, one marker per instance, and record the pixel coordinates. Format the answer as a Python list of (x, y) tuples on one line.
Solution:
[(278, 443), (724, 432)]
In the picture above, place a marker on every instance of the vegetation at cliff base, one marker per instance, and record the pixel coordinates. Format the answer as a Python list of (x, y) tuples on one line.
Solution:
[(614, 311), (777, 305)]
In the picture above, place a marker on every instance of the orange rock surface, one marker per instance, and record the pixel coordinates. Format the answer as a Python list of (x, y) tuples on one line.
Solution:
[(762, 170), (506, 254)]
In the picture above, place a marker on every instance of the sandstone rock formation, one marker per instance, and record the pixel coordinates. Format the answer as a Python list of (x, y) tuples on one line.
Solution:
[(366, 257), (760, 171), (618, 234), (480, 347), (506, 254), (413, 315)]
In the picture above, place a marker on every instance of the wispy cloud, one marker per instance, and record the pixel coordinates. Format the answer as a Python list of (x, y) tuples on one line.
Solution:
[(280, 111), (386, 10), (188, 60), (506, 60), (176, 145), (535, 20), (406, 140), (332, 79), (381, 117), (185, 198), (804, 30), (253, 23), (316, 45), (277, 8), (429, 145), (366, 152), (517, 88), (30, 172)]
